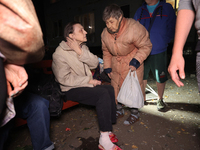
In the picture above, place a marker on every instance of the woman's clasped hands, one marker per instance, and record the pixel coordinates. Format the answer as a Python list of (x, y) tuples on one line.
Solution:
[(95, 82)]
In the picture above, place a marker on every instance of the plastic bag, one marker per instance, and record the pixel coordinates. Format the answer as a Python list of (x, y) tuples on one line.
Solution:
[(130, 93)]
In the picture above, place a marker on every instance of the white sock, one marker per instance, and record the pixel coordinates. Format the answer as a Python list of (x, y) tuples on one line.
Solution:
[(105, 141)]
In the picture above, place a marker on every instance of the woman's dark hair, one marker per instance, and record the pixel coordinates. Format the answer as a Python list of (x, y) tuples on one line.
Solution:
[(113, 11), (69, 28)]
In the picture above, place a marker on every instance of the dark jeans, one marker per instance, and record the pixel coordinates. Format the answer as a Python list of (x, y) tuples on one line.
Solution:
[(101, 96), (34, 109)]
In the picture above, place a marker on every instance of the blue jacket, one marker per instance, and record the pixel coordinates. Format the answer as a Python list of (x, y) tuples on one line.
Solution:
[(163, 28)]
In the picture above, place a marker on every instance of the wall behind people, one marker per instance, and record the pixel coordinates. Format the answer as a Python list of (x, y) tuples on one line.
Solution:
[(60, 12)]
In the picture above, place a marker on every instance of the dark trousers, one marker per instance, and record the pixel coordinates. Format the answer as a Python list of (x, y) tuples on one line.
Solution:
[(3, 87), (102, 97)]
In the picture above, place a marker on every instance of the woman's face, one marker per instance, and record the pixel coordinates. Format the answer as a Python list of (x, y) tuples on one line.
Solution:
[(79, 33), (112, 24)]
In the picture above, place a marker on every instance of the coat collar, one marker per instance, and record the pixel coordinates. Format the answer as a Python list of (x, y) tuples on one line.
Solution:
[(122, 27), (64, 46)]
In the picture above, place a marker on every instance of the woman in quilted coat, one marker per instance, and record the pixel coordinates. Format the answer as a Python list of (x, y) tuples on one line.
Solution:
[(125, 45)]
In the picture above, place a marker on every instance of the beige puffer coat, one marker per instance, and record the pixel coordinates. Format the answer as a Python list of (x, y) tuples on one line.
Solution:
[(72, 70), (132, 41)]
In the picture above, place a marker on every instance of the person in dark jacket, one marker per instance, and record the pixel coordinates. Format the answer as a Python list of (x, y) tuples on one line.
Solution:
[(159, 18)]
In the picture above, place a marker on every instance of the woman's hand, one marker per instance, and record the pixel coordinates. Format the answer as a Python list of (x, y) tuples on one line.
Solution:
[(132, 68), (73, 44), (95, 82), (17, 77), (109, 74)]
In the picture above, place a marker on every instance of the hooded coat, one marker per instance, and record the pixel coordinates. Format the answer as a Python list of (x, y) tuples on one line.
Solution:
[(72, 70), (130, 44)]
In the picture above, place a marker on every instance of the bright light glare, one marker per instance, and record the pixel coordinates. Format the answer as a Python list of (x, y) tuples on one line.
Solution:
[(175, 115)]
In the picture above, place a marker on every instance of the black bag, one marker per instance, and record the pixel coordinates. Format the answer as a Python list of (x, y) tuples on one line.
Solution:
[(45, 85), (50, 90), (104, 76)]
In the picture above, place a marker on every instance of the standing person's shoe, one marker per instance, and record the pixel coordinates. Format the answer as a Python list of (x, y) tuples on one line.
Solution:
[(119, 113), (131, 119), (160, 104)]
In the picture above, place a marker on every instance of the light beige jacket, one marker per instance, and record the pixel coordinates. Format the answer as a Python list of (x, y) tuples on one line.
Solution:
[(72, 70)]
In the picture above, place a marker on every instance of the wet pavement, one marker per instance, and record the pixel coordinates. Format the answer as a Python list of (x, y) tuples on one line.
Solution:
[(176, 128)]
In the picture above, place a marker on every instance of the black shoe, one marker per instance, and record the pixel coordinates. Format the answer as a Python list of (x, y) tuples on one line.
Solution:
[(160, 104)]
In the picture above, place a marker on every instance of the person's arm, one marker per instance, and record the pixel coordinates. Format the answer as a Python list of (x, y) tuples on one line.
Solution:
[(88, 58), (64, 75), (142, 42), (184, 22), (107, 57), (21, 38), (83, 53)]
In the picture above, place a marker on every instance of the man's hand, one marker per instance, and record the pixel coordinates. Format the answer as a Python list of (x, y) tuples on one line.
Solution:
[(177, 63), (17, 77), (95, 82)]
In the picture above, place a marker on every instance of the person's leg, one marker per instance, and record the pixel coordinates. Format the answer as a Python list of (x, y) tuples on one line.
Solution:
[(134, 116), (161, 89), (103, 98), (145, 84), (111, 93), (147, 68), (198, 69), (4, 133), (160, 73), (34, 109), (98, 97), (119, 111), (106, 138)]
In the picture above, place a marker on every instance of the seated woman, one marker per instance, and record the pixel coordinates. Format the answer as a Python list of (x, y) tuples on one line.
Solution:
[(72, 62)]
